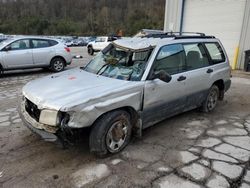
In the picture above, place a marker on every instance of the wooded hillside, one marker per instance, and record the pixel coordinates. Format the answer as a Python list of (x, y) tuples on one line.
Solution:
[(80, 17)]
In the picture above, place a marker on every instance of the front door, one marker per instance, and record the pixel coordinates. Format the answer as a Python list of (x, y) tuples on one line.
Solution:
[(18, 55), (161, 99)]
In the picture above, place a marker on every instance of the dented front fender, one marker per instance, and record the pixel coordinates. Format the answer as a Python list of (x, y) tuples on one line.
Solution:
[(85, 115)]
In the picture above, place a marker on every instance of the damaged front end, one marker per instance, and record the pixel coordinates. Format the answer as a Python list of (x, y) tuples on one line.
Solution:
[(51, 125)]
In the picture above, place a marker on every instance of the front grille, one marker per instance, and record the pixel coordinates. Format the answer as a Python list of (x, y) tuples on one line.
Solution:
[(32, 109)]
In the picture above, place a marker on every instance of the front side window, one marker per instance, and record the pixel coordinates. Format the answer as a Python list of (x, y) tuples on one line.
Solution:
[(215, 52), (170, 59), (20, 45), (119, 63), (195, 56), (38, 43)]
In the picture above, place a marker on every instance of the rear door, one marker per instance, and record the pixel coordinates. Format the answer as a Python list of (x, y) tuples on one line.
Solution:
[(198, 74), (19, 54), (43, 52), (162, 99)]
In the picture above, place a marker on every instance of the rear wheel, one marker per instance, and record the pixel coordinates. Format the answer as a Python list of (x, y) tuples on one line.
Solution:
[(90, 50), (57, 64), (110, 133), (212, 99)]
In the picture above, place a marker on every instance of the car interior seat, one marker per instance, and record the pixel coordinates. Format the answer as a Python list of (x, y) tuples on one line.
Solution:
[(193, 60), (171, 64)]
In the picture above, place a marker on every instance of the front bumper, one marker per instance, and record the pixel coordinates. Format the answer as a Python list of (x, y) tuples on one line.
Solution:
[(28, 121)]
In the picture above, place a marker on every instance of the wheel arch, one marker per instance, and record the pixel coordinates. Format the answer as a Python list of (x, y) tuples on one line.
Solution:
[(58, 56), (134, 117), (221, 85)]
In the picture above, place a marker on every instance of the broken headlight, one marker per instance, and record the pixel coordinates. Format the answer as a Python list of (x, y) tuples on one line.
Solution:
[(50, 117)]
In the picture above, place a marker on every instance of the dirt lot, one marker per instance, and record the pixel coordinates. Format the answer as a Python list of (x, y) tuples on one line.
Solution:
[(189, 150)]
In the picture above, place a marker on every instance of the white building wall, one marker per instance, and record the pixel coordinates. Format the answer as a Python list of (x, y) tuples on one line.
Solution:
[(173, 15), (245, 36)]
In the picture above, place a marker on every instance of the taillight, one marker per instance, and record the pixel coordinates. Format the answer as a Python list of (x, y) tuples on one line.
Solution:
[(67, 49)]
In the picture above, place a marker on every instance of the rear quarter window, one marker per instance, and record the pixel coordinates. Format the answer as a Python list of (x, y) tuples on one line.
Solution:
[(53, 42), (215, 52)]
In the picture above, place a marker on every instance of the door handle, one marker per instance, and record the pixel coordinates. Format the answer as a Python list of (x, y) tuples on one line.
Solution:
[(181, 78), (210, 71)]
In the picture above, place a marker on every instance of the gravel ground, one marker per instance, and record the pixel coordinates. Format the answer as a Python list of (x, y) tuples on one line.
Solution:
[(189, 150)]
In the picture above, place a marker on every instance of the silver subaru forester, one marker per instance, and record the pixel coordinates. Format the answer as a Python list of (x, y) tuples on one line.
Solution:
[(33, 52), (130, 85)]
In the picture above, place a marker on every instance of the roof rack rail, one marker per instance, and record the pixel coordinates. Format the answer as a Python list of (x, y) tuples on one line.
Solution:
[(178, 35), (181, 33)]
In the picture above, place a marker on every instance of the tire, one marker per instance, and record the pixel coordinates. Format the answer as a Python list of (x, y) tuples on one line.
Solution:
[(111, 133), (57, 64), (1, 71), (90, 50), (212, 99)]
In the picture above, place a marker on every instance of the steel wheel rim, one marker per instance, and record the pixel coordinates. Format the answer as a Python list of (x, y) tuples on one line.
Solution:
[(58, 65), (212, 100), (116, 136)]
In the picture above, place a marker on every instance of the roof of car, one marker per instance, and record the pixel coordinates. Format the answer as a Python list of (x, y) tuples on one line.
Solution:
[(140, 43), (149, 41), (31, 37)]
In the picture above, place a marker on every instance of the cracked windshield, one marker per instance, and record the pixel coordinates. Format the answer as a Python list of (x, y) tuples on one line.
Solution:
[(120, 63)]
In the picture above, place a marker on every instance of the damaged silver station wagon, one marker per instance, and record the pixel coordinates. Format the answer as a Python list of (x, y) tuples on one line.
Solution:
[(130, 85)]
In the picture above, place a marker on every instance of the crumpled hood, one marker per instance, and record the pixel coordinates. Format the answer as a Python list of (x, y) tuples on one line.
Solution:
[(71, 88)]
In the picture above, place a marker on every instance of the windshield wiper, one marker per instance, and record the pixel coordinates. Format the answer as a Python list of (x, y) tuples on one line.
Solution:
[(102, 68)]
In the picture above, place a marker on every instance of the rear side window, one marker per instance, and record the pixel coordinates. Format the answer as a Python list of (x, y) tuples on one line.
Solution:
[(38, 43), (196, 56), (215, 52), (53, 42)]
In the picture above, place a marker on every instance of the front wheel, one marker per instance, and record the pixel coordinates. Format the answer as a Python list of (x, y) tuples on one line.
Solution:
[(212, 99), (110, 133), (57, 65)]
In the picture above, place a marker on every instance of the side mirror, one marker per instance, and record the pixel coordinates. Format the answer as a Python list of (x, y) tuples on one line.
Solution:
[(163, 76), (7, 48)]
